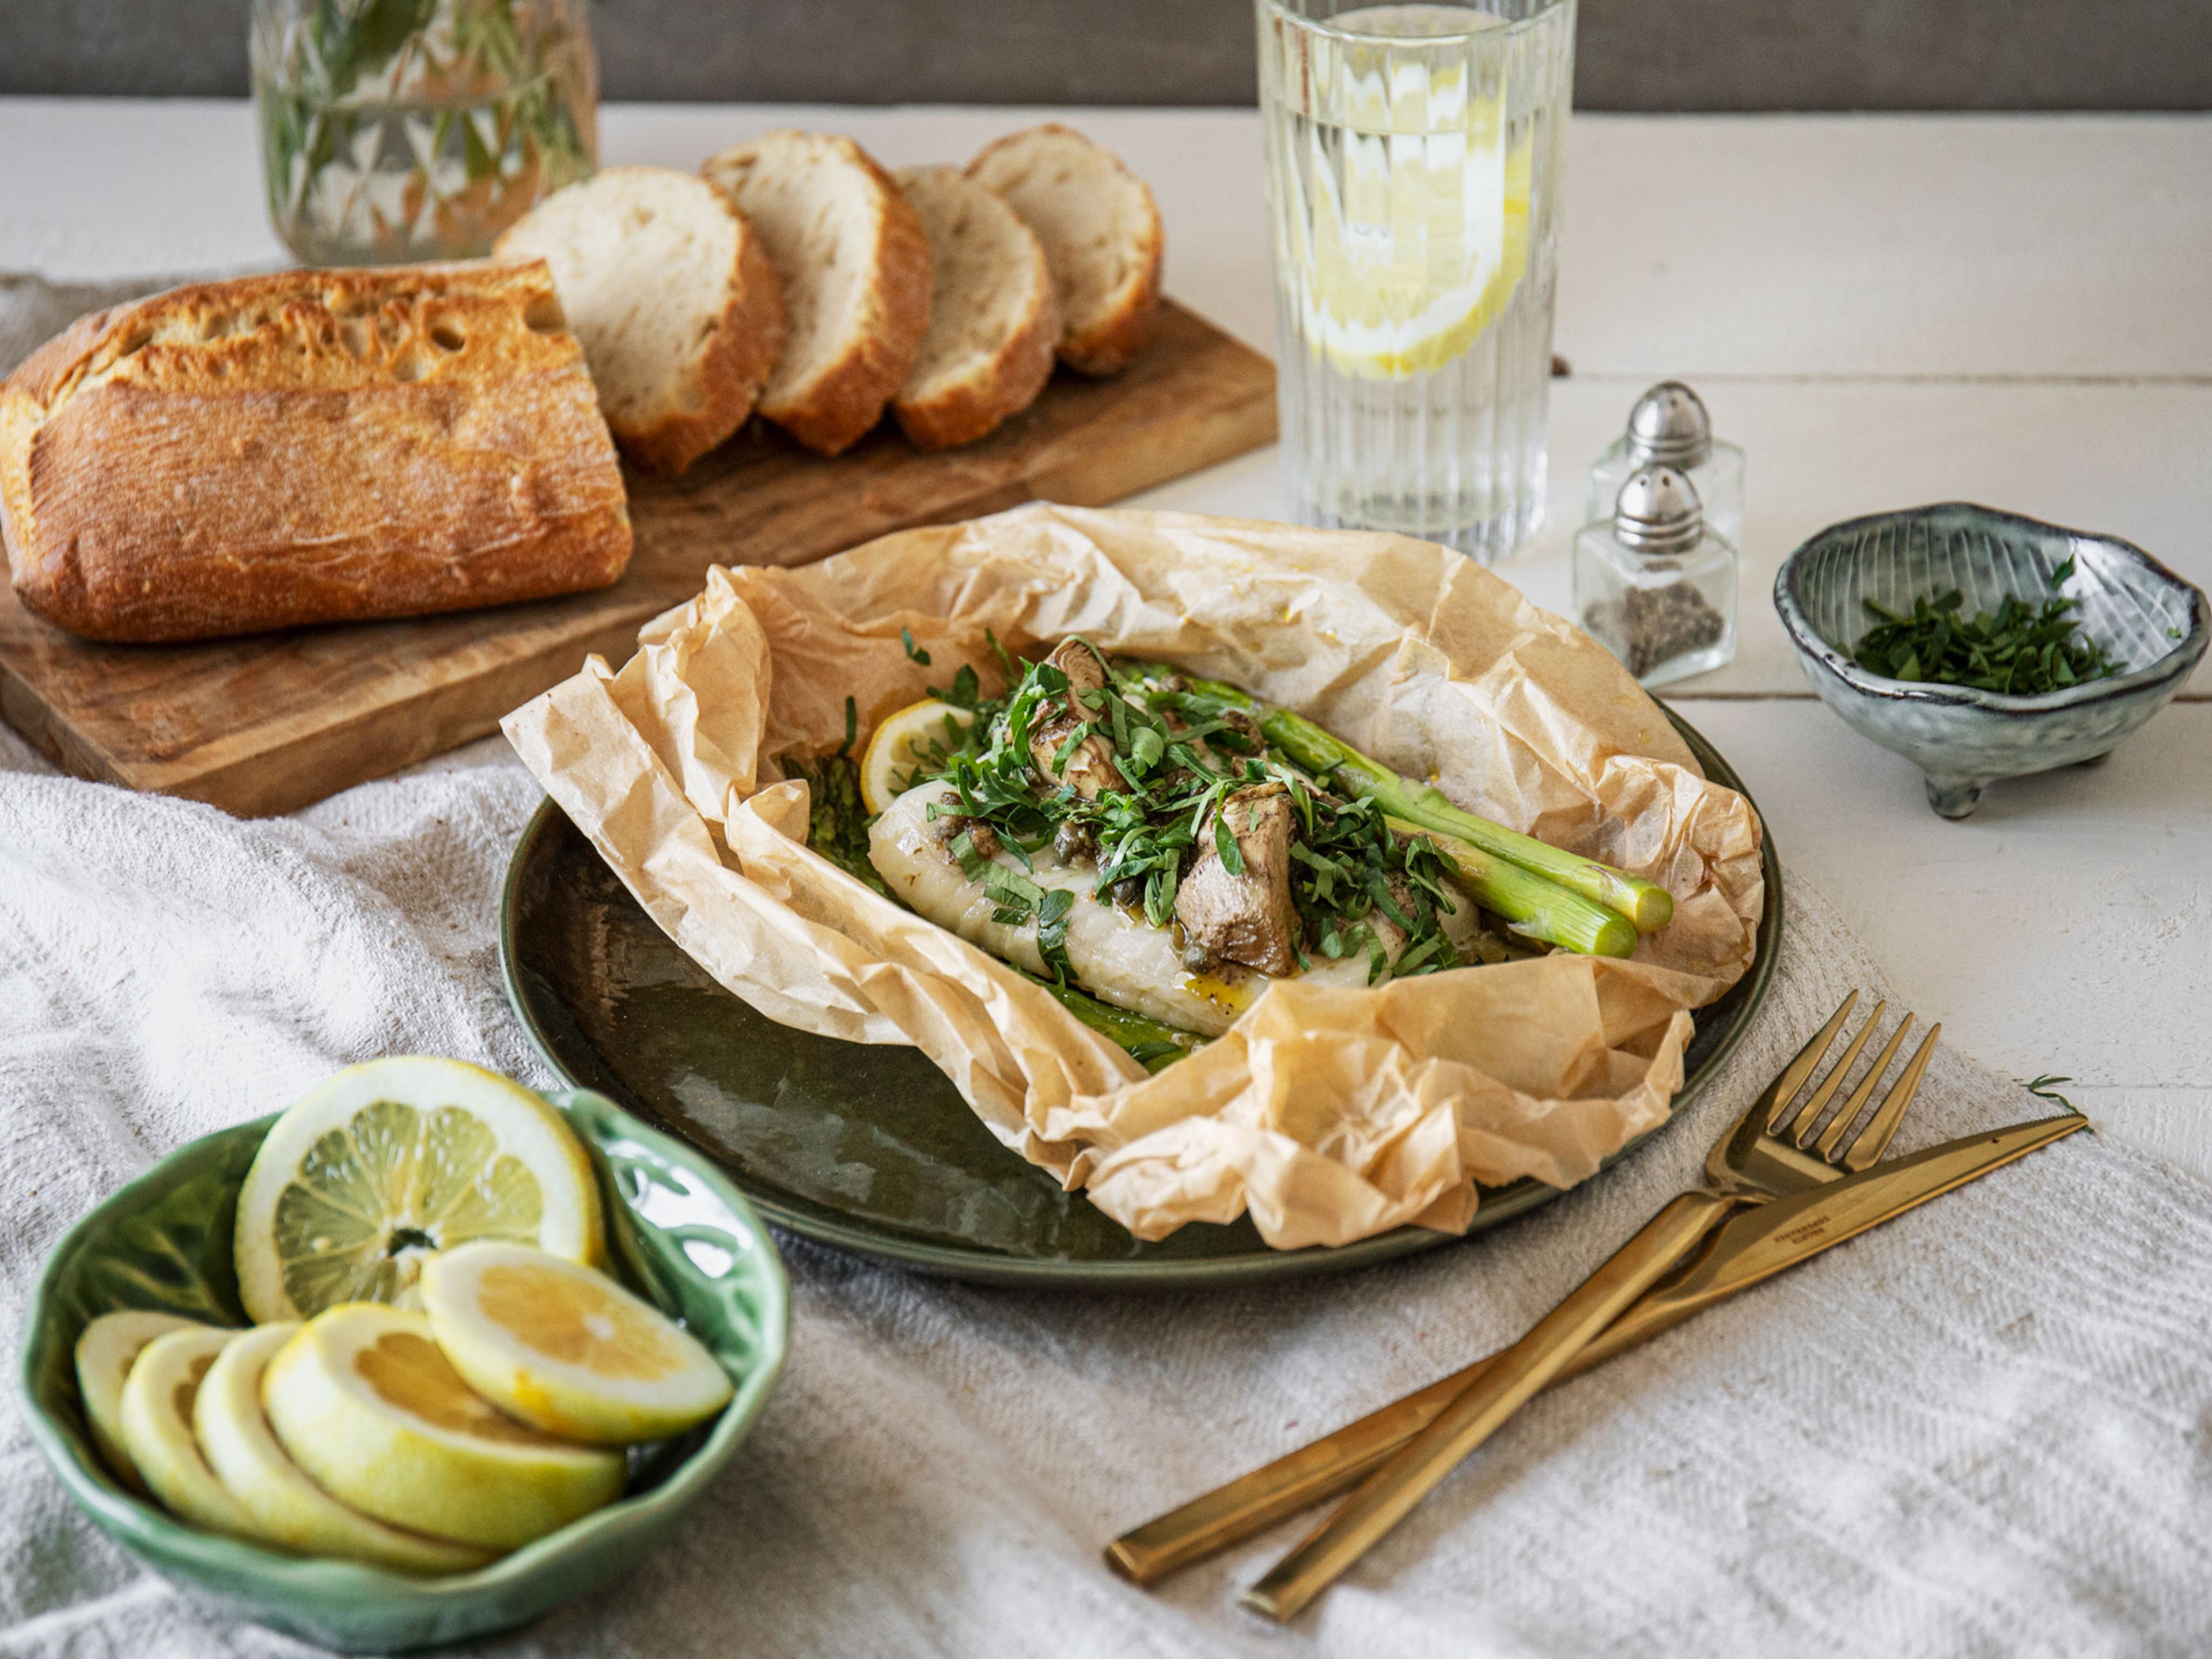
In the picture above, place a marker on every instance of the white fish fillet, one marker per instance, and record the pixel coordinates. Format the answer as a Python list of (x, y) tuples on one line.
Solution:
[(1118, 957)]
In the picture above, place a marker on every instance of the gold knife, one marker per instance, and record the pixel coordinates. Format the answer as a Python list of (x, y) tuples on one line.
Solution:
[(1753, 1245)]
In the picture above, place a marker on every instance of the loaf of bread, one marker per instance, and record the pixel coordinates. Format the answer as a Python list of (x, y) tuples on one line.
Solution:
[(855, 262), (678, 309), (993, 316), (309, 446), (1100, 231)]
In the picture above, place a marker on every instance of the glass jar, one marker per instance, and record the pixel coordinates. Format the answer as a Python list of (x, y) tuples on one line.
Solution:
[(1654, 584), (1670, 427), (394, 130), (1414, 159)]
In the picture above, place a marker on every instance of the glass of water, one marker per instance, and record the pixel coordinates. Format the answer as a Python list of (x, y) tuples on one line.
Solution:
[(402, 130), (1414, 154)]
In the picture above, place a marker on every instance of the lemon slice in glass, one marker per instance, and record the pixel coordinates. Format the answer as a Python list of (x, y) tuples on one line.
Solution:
[(391, 1161), (566, 1348), (105, 1354), (283, 1506), (1415, 229), (157, 1427), (366, 1402), (904, 741)]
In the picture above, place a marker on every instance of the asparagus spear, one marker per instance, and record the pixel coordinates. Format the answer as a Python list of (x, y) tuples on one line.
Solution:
[(1648, 905), (1152, 1044), (1538, 907)]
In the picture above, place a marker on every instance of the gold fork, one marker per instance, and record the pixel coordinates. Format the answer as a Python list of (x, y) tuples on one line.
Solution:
[(1256, 1501), (1770, 1151)]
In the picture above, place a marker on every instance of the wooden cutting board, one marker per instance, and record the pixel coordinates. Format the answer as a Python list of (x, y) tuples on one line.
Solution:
[(277, 721)]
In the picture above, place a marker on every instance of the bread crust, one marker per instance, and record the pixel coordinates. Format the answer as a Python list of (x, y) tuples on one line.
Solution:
[(745, 341), (309, 446), (841, 404), (1105, 346), (963, 413), (1008, 382)]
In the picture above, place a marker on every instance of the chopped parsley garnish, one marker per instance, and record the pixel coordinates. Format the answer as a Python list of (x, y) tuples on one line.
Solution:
[(2019, 649), (1171, 755), (1177, 754)]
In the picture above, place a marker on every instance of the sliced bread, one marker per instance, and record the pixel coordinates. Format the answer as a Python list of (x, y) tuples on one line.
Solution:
[(993, 315), (855, 262), (680, 310), (1101, 231)]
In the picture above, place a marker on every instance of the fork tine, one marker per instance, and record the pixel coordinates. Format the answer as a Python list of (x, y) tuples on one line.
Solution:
[(1874, 1139), (1793, 1077), (1834, 1133), (1801, 1127)]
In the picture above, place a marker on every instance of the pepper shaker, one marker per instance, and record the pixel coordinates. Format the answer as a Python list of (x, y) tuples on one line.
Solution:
[(1670, 427), (1654, 584)]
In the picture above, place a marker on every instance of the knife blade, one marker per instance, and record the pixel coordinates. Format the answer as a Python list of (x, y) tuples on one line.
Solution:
[(1752, 1246), (1760, 1241)]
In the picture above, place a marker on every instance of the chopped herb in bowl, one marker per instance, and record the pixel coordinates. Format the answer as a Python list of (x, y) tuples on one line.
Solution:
[(2020, 649)]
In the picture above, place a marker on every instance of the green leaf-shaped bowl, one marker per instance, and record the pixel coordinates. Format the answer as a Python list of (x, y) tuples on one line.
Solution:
[(678, 1234)]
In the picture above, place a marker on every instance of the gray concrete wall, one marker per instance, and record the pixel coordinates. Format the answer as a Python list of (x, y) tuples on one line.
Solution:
[(1632, 54)]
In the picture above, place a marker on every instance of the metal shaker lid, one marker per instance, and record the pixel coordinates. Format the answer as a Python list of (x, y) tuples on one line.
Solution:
[(1658, 512), (1669, 423)]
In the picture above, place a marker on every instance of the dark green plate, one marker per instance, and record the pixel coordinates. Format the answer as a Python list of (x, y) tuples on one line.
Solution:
[(872, 1148)]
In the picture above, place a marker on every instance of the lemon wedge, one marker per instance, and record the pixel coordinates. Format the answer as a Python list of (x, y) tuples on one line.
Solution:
[(391, 1161), (103, 1356), (1410, 290), (157, 1427), (566, 1349), (905, 741), (365, 1402), (283, 1506), (1415, 229)]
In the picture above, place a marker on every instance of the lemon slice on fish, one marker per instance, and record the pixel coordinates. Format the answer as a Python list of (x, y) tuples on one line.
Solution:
[(157, 1427), (913, 738), (366, 1402), (566, 1349), (390, 1162), (105, 1354), (284, 1507)]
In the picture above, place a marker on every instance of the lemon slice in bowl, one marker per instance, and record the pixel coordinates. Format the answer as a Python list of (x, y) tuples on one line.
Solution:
[(391, 1161), (105, 1354), (157, 1428), (365, 1402), (566, 1349), (283, 1505), (914, 738)]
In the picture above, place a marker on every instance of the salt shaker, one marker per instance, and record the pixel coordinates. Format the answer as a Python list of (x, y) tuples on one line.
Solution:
[(1670, 427), (1654, 584)]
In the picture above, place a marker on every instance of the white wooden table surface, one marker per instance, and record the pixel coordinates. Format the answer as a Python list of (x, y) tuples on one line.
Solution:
[(1884, 310)]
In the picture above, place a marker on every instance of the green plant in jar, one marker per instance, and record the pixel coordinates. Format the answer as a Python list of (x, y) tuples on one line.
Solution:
[(402, 130)]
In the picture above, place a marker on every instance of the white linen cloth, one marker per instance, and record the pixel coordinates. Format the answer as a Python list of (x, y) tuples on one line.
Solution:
[(1984, 1429)]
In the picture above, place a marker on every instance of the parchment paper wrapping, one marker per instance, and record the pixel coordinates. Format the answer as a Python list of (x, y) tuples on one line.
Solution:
[(1330, 1115)]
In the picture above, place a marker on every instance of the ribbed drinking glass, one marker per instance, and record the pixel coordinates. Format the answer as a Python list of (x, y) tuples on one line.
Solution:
[(1414, 154)]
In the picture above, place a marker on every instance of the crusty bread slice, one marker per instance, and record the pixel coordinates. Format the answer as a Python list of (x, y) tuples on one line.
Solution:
[(855, 262), (679, 308), (993, 316), (1101, 231)]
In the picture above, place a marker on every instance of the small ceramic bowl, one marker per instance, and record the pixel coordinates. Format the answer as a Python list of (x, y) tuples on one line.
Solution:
[(678, 1234), (2155, 624)]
